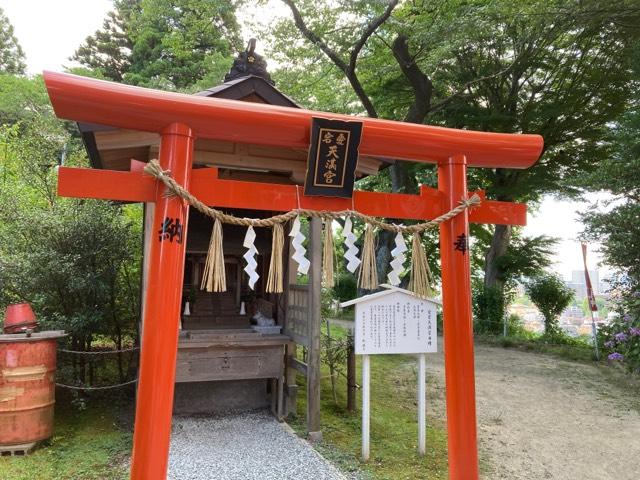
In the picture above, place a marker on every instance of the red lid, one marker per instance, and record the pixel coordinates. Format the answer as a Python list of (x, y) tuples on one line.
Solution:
[(19, 317)]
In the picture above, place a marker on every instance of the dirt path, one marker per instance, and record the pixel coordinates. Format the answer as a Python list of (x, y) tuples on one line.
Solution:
[(544, 418)]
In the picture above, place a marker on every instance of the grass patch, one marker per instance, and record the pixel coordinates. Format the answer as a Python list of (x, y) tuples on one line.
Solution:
[(394, 428), (87, 445), (575, 350)]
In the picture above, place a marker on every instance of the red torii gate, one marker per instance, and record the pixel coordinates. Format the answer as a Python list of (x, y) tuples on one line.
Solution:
[(179, 119)]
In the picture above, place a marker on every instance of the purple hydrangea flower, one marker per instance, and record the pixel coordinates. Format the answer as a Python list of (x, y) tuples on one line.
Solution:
[(620, 337), (634, 331), (615, 356), (627, 318), (610, 344)]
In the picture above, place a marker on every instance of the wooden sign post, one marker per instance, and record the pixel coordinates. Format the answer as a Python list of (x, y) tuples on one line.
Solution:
[(394, 321)]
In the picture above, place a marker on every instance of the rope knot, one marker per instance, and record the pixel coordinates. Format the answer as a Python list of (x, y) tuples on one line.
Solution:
[(471, 202), (165, 173)]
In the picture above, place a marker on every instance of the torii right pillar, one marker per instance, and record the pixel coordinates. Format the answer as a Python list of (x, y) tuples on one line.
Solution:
[(458, 324)]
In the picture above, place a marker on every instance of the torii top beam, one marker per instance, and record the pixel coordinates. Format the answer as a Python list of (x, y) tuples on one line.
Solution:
[(123, 106)]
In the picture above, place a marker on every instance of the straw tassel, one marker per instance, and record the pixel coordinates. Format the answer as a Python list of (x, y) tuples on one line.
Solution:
[(214, 278), (327, 254), (420, 282), (368, 278), (274, 280)]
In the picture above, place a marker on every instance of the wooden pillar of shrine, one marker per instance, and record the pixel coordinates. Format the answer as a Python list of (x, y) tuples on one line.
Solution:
[(313, 358), (162, 312), (458, 324)]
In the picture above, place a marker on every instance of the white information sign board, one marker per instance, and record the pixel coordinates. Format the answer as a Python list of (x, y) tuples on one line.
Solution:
[(395, 323)]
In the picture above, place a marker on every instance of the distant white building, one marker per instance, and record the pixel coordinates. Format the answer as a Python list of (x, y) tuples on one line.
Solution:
[(572, 315), (579, 286)]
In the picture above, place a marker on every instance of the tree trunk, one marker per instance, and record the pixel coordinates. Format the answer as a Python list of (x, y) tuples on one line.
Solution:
[(493, 277), (402, 181), (384, 246)]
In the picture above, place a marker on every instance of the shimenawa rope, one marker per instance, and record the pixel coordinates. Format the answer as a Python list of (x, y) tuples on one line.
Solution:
[(214, 278)]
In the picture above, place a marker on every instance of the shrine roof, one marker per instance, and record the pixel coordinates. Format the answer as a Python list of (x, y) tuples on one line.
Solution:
[(113, 148), (244, 87), (389, 289), (221, 120)]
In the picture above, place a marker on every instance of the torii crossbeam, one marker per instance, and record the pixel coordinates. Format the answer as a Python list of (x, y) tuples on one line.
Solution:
[(179, 119)]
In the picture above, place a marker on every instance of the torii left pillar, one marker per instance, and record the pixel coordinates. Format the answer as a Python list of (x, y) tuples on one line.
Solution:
[(154, 404)]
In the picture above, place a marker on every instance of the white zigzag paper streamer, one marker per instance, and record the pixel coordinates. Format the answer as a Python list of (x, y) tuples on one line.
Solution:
[(250, 256), (297, 239), (351, 253), (397, 264)]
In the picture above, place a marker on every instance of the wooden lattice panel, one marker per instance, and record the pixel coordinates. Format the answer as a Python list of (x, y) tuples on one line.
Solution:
[(297, 322)]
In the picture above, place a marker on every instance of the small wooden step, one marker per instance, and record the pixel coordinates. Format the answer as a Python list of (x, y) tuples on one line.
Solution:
[(17, 450)]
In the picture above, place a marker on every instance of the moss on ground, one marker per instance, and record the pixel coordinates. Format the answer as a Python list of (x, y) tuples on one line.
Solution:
[(393, 425)]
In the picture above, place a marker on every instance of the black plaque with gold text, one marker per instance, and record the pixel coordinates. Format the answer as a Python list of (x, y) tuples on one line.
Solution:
[(333, 157)]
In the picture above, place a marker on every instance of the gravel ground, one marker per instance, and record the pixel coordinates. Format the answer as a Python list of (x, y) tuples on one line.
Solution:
[(540, 417), (244, 446)]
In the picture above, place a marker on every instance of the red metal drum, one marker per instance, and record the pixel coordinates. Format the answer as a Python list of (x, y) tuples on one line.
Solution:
[(27, 387), (18, 318)]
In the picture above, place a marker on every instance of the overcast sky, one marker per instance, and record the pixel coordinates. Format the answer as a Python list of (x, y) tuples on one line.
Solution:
[(50, 31)]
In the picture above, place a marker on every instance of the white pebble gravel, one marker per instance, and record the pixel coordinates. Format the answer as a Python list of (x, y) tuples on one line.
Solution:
[(243, 446)]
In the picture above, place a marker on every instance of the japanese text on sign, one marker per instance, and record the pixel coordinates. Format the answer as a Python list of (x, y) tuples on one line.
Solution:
[(333, 157), (395, 323)]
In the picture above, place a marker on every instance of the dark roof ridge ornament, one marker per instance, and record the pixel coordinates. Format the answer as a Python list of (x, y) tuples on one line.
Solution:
[(249, 63)]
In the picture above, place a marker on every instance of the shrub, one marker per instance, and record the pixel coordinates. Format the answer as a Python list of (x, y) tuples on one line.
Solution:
[(549, 293), (515, 326), (345, 288), (620, 339), (488, 309)]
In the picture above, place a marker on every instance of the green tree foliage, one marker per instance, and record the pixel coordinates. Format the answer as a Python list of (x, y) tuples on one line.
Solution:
[(167, 44), (525, 258), (12, 58), (489, 308), (558, 68), (620, 337), (616, 223), (565, 79), (551, 296), (76, 261), (21, 99), (109, 50)]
